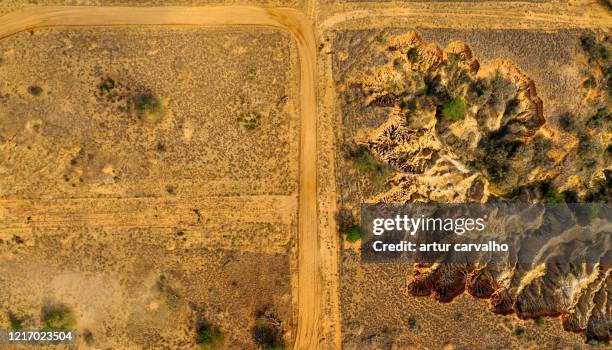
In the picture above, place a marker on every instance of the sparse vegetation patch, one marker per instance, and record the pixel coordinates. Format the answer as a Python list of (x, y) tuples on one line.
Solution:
[(366, 163), (267, 332), (35, 90), (353, 233), (107, 85), (208, 338), (492, 157), (149, 107), (58, 318), (454, 110), (15, 322), (599, 53), (250, 120)]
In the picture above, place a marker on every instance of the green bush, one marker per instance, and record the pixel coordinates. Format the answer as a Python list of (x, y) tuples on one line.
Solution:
[(408, 105), (267, 338), (173, 300), (601, 192), (250, 121), (603, 118), (480, 91), (554, 196), (519, 331), (607, 4), (544, 192), (585, 144), (107, 85), (412, 54), (590, 82), (35, 90), (594, 49), (267, 332), (391, 335), (149, 107), (397, 64), (607, 78), (353, 233), (208, 338), (541, 145), (364, 162), (59, 319), (15, 323), (566, 122), (454, 109), (413, 324), (492, 156)]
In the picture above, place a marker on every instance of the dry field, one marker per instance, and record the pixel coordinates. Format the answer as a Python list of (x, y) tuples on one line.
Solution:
[(378, 310), (144, 224)]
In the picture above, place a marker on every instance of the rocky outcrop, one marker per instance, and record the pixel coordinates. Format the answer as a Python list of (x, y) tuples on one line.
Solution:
[(445, 109)]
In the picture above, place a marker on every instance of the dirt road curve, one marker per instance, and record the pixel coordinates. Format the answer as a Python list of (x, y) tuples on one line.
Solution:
[(287, 19)]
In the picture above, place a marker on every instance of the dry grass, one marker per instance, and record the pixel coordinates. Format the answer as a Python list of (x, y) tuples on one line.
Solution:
[(106, 192)]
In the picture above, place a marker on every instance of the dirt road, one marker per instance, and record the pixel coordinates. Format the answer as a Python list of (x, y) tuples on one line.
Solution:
[(308, 294), (481, 15)]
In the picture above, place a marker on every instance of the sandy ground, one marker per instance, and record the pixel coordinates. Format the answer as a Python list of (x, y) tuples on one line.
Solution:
[(171, 201), (317, 246)]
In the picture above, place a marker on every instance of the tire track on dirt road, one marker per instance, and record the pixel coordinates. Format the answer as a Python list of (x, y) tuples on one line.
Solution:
[(293, 21), (478, 15)]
